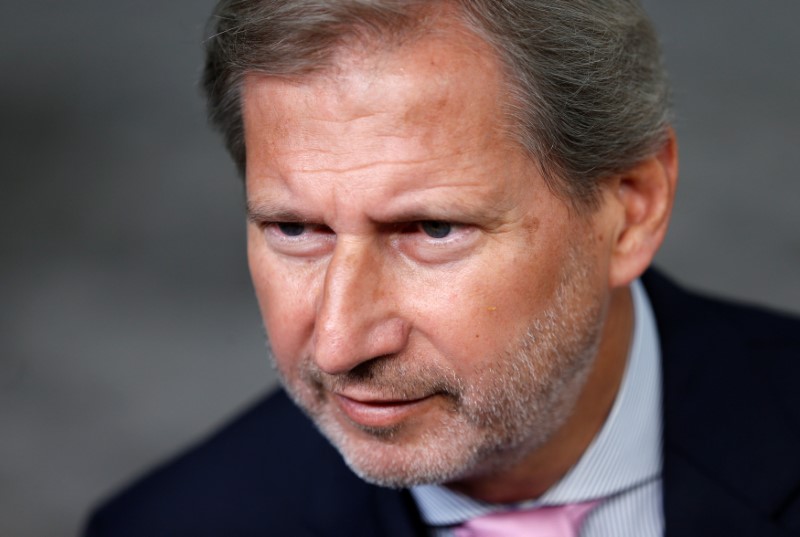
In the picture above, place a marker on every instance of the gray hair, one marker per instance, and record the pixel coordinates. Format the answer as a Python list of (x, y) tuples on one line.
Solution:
[(588, 96)]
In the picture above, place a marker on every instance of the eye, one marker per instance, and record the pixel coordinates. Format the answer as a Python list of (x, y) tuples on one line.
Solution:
[(436, 241), (291, 229), (297, 239), (436, 229)]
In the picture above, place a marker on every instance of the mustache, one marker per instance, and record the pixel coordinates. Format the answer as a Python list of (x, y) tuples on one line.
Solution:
[(393, 377)]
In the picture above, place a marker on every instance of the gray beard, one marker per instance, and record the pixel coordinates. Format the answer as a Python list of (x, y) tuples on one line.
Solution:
[(507, 411)]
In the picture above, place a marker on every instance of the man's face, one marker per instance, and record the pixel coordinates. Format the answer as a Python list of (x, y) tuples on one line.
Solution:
[(429, 302)]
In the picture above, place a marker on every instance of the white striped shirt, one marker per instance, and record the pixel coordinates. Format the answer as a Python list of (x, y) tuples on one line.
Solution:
[(621, 467)]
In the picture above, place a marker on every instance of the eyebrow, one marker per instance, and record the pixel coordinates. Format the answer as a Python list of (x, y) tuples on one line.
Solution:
[(270, 212), (454, 211), (485, 211), (450, 211)]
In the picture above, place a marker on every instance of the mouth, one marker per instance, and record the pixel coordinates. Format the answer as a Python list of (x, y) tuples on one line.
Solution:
[(377, 412)]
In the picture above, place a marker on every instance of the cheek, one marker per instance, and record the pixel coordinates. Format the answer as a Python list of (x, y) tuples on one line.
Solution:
[(285, 297), (472, 315)]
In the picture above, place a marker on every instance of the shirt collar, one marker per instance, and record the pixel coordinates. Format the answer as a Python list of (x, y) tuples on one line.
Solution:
[(625, 453)]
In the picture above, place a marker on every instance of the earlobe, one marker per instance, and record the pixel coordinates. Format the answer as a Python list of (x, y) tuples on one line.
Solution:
[(644, 195)]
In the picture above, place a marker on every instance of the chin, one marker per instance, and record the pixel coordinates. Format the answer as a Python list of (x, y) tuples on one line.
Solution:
[(399, 458), (443, 450)]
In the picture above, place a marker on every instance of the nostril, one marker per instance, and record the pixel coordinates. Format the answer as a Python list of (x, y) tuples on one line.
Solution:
[(330, 351), (339, 349)]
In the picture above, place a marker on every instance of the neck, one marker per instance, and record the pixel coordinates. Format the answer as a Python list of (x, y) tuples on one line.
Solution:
[(541, 469)]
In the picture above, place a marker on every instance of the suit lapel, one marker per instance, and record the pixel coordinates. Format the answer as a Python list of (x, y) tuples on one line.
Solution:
[(339, 503), (731, 457), (397, 514)]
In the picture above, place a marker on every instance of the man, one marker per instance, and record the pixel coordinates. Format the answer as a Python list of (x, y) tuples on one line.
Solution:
[(450, 204)]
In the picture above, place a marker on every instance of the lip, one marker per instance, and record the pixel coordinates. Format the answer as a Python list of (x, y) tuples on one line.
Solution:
[(379, 413)]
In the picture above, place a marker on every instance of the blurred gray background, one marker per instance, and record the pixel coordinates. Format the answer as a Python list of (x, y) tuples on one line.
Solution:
[(127, 323)]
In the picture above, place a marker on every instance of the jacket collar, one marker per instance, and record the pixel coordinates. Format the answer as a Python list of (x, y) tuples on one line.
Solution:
[(731, 462)]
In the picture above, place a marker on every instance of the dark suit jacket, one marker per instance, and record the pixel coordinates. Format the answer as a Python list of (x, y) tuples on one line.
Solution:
[(731, 453)]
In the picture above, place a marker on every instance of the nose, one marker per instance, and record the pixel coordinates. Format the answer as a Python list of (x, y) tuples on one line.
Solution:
[(357, 318)]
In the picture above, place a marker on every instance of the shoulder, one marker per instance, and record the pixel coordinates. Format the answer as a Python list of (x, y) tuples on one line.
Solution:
[(725, 350), (265, 471), (731, 413), (700, 334), (679, 311)]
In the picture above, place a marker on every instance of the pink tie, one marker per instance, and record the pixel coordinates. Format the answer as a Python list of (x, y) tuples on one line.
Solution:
[(561, 521)]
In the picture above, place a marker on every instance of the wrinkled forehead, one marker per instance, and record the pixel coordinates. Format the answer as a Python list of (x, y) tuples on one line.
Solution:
[(384, 125), (449, 87)]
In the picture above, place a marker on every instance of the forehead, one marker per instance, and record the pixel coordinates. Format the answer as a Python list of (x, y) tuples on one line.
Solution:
[(386, 132), (448, 76)]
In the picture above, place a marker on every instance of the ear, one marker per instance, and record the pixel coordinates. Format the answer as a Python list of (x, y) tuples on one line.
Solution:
[(643, 197)]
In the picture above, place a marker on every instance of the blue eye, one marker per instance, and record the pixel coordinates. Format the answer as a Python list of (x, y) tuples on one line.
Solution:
[(436, 229), (291, 229)]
